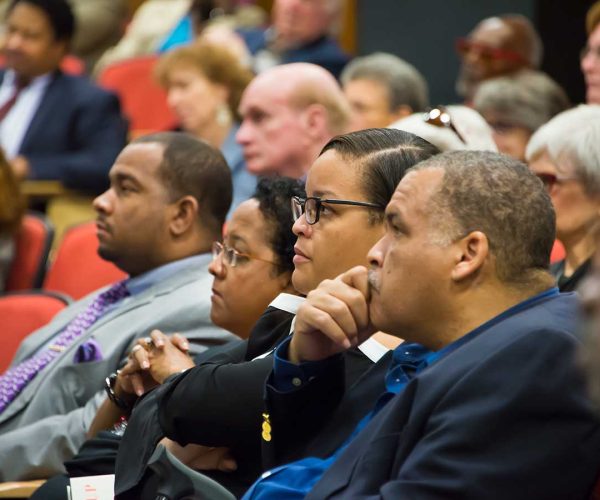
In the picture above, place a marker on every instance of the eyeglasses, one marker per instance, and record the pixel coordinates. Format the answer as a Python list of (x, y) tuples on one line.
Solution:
[(311, 207), (439, 117), (488, 54), (231, 256), (550, 180)]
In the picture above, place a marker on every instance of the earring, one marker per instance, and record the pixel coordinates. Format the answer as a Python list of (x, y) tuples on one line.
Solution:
[(223, 117)]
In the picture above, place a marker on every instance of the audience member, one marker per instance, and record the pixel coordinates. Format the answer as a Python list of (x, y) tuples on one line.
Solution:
[(166, 205), (99, 24), (450, 128), (565, 155), (152, 21), (497, 46), (12, 207), (358, 170), (301, 32), (52, 125), (382, 88), (288, 114), (478, 407), (590, 56), (516, 106), (204, 86)]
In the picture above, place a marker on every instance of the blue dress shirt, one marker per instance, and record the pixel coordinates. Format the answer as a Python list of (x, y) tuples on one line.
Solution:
[(293, 481)]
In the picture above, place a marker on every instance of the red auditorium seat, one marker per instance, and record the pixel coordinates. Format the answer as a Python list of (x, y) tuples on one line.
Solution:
[(78, 269), (144, 102), (33, 242), (558, 252), (22, 313)]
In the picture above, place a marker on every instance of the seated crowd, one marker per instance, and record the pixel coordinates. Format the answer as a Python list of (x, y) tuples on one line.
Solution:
[(333, 289)]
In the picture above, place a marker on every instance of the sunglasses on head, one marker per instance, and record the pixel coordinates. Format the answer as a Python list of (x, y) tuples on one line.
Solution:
[(439, 117)]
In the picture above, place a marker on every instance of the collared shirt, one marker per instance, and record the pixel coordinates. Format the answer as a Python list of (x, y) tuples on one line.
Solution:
[(16, 123), (293, 481), (135, 286), (244, 183)]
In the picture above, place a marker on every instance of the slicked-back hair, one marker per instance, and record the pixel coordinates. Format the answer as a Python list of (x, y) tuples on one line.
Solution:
[(273, 195), (191, 167), (383, 155), (59, 13), (501, 197)]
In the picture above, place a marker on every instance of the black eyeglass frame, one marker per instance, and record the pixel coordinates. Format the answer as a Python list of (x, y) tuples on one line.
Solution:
[(296, 201)]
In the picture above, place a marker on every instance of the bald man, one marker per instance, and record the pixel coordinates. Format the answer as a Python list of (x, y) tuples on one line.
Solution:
[(289, 113), (497, 46)]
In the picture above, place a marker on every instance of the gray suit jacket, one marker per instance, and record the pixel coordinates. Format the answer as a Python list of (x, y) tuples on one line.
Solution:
[(47, 422)]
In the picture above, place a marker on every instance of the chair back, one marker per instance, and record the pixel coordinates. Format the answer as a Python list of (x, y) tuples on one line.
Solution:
[(143, 101), (32, 246), (176, 481), (77, 268), (23, 313)]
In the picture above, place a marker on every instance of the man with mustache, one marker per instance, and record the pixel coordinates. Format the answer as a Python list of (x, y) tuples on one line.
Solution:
[(484, 400), (166, 205)]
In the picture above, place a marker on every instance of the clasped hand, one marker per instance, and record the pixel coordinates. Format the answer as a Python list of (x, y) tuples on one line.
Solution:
[(152, 360), (333, 318)]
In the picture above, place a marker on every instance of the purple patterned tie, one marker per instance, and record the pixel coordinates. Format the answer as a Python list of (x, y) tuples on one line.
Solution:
[(16, 379)]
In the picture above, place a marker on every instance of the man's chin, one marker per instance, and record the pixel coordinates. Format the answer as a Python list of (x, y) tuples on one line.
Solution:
[(107, 254)]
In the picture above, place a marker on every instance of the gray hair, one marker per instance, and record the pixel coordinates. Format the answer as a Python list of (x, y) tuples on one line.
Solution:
[(561, 126), (527, 99), (406, 86), (501, 197), (469, 123), (580, 150)]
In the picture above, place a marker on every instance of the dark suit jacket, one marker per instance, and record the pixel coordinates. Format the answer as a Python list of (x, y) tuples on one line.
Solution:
[(505, 416), (75, 134), (324, 51)]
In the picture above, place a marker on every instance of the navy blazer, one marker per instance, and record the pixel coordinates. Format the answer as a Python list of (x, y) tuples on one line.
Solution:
[(324, 51), (75, 134), (505, 416)]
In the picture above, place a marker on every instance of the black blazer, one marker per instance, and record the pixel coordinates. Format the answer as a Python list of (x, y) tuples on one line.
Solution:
[(505, 416), (75, 134)]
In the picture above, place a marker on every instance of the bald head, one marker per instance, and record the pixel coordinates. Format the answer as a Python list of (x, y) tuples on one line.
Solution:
[(289, 113)]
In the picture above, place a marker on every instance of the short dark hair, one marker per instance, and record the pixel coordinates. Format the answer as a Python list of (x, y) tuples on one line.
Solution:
[(59, 14), (383, 155), (274, 196), (192, 167), (501, 197)]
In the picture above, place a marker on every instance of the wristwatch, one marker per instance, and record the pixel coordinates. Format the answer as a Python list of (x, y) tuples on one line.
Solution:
[(109, 388)]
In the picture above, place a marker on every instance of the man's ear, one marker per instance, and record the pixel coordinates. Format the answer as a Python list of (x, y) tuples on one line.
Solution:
[(472, 252), (315, 120), (184, 214)]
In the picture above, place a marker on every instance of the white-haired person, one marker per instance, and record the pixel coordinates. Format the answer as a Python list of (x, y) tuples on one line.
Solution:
[(515, 106), (450, 128), (565, 155)]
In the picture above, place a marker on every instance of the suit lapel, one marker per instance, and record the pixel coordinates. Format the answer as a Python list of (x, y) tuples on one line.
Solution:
[(43, 116), (178, 279)]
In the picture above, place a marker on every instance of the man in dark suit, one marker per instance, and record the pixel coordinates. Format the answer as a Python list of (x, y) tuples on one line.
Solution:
[(52, 125), (484, 400), (301, 32)]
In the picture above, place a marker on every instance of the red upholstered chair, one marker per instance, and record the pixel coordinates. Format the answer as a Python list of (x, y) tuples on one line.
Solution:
[(558, 252), (144, 102), (77, 268), (23, 313), (33, 242)]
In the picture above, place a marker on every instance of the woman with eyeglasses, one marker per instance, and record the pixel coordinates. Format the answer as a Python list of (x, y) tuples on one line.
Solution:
[(565, 155), (251, 267)]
